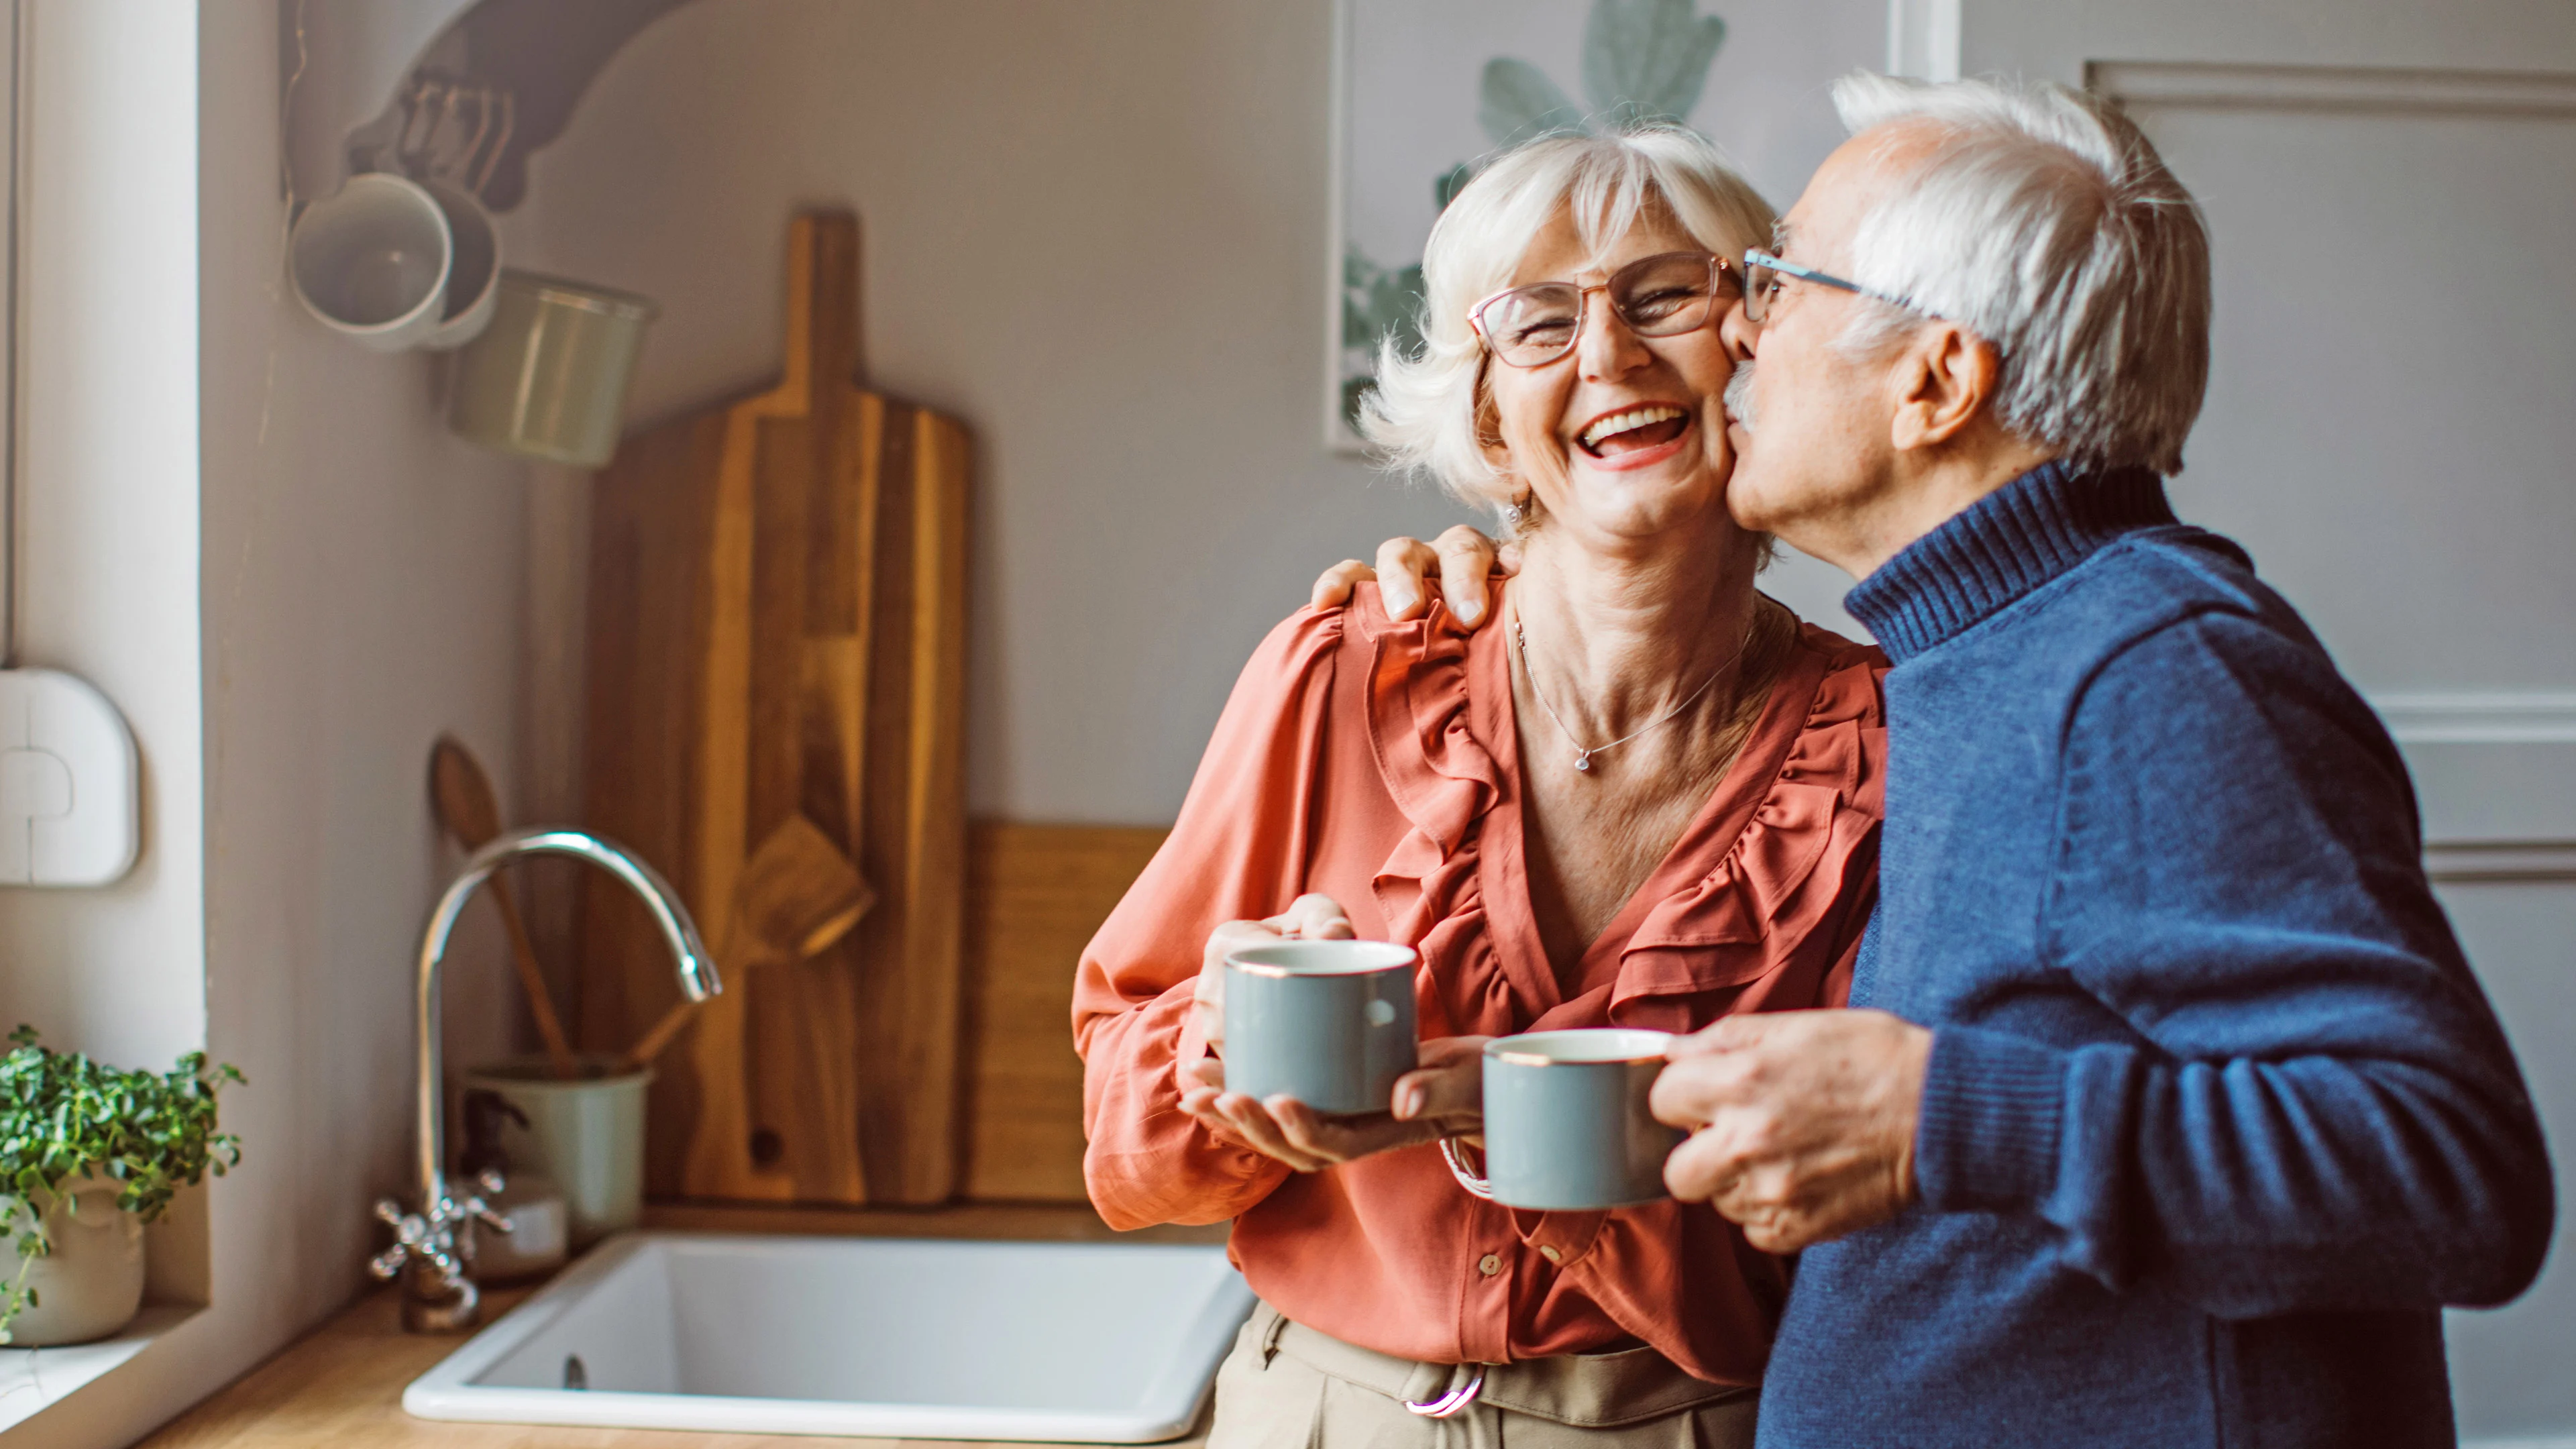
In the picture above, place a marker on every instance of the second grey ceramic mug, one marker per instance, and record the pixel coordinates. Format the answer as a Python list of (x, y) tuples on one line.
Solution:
[(1330, 1023), (1566, 1121)]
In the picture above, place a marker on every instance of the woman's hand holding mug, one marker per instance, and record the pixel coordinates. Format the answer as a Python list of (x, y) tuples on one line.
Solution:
[(1308, 918), (1441, 1096)]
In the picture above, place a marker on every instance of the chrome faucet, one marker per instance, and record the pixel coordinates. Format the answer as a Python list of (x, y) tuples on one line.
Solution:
[(438, 1292)]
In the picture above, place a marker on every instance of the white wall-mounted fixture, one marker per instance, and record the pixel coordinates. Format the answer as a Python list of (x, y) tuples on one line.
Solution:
[(69, 804)]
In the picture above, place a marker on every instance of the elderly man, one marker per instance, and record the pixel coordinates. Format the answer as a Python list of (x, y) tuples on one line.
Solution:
[(2167, 1111)]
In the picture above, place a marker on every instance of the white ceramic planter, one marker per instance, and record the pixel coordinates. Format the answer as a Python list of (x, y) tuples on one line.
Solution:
[(91, 1284)]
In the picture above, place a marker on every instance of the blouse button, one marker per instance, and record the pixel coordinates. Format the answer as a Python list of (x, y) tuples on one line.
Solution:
[(1551, 1254), (1489, 1265)]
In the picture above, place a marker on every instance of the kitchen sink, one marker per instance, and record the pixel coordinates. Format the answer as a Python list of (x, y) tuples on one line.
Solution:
[(1110, 1343)]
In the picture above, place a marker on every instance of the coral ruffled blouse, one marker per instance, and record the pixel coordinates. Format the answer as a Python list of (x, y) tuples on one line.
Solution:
[(1377, 763)]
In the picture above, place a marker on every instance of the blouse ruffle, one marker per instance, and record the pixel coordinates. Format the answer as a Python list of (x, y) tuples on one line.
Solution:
[(1755, 917)]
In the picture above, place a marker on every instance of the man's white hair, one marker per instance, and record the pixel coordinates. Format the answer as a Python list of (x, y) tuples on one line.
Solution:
[(2041, 220), (1430, 414)]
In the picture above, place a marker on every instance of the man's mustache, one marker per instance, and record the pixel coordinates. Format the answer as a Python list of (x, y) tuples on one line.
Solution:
[(1739, 395)]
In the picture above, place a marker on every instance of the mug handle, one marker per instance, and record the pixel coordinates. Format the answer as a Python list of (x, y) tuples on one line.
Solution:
[(1468, 1177)]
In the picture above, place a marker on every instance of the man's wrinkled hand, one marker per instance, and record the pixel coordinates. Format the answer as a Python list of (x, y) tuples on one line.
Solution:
[(1465, 560), (1802, 1122)]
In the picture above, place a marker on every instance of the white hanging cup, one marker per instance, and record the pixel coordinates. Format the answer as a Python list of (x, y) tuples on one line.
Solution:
[(474, 276), (371, 261)]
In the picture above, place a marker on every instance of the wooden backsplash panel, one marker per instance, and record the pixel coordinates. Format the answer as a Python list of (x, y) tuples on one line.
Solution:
[(1034, 896)]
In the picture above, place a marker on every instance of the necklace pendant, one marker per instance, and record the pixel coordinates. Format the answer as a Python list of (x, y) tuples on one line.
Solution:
[(1583, 759)]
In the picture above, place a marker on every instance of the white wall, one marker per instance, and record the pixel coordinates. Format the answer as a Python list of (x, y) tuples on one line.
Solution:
[(1096, 232), (264, 546), (108, 547), (364, 580)]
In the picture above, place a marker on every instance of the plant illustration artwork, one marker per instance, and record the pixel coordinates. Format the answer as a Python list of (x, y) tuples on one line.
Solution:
[(63, 1115), (1641, 61)]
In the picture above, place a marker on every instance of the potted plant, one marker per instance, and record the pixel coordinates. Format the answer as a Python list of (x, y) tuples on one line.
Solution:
[(88, 1155)]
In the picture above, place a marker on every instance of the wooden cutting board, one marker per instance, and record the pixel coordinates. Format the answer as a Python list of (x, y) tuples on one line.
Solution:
[(777, 627)]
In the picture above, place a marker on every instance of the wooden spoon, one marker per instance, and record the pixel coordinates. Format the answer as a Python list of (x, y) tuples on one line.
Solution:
[(797, 896), (468, 812)]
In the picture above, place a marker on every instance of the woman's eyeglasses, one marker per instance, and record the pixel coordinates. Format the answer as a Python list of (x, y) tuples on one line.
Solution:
[(1659, 296)]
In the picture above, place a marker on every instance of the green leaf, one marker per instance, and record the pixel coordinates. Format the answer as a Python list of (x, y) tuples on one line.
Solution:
[(64, 1114), (1516, 103), (1355, 390), (1451, 182), (1378, 303), (1647, 60)]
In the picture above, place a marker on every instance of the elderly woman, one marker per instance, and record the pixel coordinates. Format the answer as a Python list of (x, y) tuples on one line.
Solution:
[(1650, 798)]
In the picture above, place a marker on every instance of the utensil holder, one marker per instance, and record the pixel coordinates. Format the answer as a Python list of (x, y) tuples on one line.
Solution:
[(587, 1134)]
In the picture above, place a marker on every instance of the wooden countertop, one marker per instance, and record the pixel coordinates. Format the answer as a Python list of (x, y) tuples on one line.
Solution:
[(342, 1384)]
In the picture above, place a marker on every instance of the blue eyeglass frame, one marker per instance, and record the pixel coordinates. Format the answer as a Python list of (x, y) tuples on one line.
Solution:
[(1755, 257)]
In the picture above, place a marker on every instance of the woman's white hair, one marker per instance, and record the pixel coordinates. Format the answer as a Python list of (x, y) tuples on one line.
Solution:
[(2044, 222), (1430, 415)]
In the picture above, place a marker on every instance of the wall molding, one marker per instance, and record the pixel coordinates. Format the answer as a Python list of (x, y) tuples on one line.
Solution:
[(2479, 717), (2505, 862), (2495, 774), (2325, 88)]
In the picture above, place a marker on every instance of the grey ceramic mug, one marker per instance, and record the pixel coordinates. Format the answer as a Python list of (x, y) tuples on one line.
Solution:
[(1330, 1023), (1567, 1126)]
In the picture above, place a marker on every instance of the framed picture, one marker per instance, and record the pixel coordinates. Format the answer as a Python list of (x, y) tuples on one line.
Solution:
[(1425, 90)]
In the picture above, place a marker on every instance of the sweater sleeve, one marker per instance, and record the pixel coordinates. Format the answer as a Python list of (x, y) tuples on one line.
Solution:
[(1239, 851), (2317, 1108)]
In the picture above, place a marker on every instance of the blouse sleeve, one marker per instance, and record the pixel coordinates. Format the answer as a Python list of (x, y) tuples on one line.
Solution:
[(1238, 852)]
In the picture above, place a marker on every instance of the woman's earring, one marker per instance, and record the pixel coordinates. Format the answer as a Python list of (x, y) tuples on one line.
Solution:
[(1516, 513)]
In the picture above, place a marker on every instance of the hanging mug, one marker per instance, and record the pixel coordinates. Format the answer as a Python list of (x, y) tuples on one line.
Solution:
[(474, 276), (371, 261)]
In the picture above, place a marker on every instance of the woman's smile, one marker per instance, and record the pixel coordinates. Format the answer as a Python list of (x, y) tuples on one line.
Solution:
[(1638, 435)]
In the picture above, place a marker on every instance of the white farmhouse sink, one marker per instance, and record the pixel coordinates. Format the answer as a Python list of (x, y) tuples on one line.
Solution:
[(1111, 1343)]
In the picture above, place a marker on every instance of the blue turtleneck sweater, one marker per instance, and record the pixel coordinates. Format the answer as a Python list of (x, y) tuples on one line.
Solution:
[(2216, 1119)]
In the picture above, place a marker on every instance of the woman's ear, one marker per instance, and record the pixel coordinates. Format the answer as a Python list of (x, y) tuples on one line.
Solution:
[(1944, 378), (1489, 428)]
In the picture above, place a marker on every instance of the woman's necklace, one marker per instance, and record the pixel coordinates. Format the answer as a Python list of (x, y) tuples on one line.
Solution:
[(1583, 753)]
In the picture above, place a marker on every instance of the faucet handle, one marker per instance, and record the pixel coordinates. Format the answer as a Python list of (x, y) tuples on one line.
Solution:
[(411, 1238), (450, 1271), (479, 1210)]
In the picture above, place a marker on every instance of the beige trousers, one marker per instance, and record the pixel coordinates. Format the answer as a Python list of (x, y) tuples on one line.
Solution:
[(1286, 1386)]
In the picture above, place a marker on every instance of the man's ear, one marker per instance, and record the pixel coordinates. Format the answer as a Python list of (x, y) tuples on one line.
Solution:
[(1944, 378)]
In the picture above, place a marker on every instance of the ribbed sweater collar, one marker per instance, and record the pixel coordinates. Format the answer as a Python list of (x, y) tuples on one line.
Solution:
[(1999, 549)]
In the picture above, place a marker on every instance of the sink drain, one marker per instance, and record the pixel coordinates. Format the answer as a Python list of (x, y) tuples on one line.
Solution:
[(575, 1376)]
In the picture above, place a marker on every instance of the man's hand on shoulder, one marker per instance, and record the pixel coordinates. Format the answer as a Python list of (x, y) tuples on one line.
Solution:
[(1801, 1122), (1464, 559)]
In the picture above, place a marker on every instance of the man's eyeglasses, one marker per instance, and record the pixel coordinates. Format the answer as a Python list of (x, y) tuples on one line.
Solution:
[(1762, 274), (1659, 296)]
